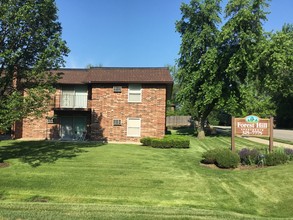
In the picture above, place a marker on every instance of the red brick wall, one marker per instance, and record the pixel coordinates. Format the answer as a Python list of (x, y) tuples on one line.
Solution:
[(108, 105), (35, 128)]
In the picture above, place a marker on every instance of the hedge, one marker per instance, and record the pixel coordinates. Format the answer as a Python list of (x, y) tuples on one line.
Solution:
[(166, 142)]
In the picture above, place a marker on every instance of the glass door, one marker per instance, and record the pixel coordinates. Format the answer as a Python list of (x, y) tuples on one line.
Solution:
[(72, 128)]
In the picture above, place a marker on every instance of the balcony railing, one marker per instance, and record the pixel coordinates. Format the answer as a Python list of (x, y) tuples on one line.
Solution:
[(71, 101)]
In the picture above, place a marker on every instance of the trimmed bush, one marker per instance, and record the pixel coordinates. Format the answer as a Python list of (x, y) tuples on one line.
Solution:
[(289, 153), (159, 143), (166, 142), (225, 158), (209, 157), (222, 157), (249, 156), (177, 141), (146, 141), (276, 158)]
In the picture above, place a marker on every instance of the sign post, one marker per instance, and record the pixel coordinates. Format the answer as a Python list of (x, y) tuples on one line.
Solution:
[(271, 144), (252, 126), (233, 134)]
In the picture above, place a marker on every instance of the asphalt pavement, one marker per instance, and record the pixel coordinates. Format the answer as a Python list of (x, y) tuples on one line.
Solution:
[(281, 134), (277, 133)]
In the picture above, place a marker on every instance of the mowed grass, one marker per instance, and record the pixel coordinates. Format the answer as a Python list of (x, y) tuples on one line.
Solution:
[(63, 180)]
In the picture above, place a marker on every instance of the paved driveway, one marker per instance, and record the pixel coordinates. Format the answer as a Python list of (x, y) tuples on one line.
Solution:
[(283, 134), (278, 133)]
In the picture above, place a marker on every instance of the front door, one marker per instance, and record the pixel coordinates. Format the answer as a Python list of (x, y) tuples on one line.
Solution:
[(72, 127)]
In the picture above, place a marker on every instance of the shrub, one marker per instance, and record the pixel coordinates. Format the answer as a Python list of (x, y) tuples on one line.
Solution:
[(160, 143), (289, 153), (209, 157), (225, 158), (146, 141), (276, 158), (249, 156), (166, 142), (177, 141)]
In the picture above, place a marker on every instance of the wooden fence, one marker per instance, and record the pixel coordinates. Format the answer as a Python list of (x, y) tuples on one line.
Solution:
[(178, 121)]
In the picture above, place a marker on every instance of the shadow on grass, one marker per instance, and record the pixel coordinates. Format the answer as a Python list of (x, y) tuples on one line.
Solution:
[(221, 132), (185, 131), (35, 153), (190, 131)]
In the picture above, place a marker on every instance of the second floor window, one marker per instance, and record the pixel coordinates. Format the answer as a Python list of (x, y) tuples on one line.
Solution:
[(134, 93)]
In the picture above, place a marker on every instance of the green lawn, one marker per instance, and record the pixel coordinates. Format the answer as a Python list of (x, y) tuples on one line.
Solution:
[(51, 180)]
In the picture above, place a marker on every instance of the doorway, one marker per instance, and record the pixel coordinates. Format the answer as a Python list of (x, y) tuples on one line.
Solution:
[(72, 127)]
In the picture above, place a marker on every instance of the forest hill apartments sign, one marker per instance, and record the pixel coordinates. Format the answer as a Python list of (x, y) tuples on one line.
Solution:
[(252, 126)]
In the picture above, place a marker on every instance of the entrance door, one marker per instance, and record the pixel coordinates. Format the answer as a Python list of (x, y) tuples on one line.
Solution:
[(79, 126), (66, 128), (72, 127)]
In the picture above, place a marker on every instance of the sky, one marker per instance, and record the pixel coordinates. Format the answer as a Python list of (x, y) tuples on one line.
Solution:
[(133, 33)]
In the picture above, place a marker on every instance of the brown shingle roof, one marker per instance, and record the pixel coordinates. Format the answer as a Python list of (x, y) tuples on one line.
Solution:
[(116, 75), (130, 75), (73, 76)]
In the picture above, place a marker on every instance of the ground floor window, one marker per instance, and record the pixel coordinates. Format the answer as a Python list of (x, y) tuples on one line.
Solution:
[(133, 127)]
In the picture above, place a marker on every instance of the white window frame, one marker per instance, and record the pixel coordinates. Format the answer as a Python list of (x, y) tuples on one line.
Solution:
[(132, 90), (139, 127)]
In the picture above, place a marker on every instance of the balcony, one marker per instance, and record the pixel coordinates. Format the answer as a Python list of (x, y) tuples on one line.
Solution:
[(71, 102)]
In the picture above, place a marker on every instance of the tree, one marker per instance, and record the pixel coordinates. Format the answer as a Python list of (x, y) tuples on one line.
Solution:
[(240, 45), (277, 62), (30, 46), (197, 76), (173, 106), (221, 69)]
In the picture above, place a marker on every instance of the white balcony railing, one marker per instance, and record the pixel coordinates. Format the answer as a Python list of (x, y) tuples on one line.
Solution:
[(71, 101)]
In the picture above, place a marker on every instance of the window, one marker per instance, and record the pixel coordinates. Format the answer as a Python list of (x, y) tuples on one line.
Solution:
[(117, 122), (133, 127), (134, 93), (117, 89)]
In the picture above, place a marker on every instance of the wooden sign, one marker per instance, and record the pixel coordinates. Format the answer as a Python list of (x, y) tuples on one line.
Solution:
[(252, 126)]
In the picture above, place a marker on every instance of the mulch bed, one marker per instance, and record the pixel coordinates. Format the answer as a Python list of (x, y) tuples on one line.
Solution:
[(241, 167), (3, 165)]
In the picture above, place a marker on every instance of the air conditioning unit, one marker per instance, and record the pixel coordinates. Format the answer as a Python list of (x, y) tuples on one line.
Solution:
[(117, 122), (117, 89)]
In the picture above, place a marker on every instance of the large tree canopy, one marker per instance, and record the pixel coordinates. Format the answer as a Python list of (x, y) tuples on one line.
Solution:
[(198, 79), (238, 68), (30, 46)]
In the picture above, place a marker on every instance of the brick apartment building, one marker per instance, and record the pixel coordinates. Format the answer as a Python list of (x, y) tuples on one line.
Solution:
[(111, 104)]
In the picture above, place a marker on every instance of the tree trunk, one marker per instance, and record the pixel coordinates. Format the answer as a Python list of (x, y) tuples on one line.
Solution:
[(200, 128)]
